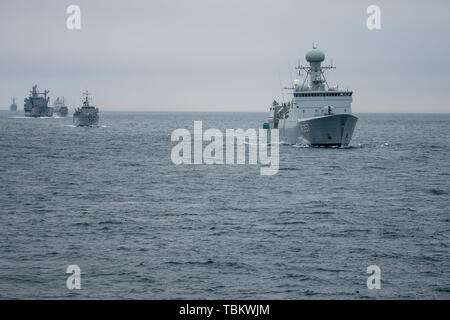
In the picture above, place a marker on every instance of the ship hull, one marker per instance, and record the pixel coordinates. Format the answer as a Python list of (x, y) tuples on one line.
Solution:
[(330, 130), (40, 112), (85, 121), (333, 130), (62, 112)]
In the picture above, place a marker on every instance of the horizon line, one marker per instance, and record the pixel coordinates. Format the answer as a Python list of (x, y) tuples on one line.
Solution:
[(213, 111)]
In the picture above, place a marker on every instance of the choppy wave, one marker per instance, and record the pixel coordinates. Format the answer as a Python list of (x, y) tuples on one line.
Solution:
[(139, 226)]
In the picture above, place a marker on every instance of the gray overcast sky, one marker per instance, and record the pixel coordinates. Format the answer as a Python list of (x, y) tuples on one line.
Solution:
[(228, 55)]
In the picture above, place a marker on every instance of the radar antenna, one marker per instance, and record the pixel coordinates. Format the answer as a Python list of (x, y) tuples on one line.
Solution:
[(86, 98), (308, 71)]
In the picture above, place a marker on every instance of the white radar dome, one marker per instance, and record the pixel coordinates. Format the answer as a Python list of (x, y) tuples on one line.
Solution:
[(315, 56)]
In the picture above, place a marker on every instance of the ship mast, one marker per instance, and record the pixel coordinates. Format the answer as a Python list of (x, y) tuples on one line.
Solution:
[(315, 71), (86, 100)]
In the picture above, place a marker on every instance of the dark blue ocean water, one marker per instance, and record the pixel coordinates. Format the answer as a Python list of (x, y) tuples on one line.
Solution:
[(110, 200)]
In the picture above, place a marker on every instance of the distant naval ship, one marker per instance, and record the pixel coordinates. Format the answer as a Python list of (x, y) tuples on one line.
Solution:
[(86, 115), (60, 108), (13, 106), (36, 105), (318, 114)]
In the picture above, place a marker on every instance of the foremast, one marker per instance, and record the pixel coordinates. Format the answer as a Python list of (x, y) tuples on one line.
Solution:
[(315, 71), (86, 98)]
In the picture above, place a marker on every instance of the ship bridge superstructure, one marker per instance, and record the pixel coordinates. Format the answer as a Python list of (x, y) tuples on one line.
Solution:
[(313, 96)]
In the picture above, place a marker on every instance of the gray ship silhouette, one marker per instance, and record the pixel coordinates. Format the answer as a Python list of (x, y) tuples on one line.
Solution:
[(36, 105), (87, 115), (13, 106), (318, 114), (59, 108)]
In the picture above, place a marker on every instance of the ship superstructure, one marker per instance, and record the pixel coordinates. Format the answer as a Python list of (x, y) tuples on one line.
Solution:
[(36, 105), (318, 114), (87, 115)]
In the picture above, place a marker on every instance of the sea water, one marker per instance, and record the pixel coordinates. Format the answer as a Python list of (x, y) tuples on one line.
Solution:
[(109, 200)]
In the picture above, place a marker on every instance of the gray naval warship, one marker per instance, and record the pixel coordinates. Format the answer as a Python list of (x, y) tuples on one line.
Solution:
[(13, 106), (36, 105), (59, 108), (318, 115), (87, 115)]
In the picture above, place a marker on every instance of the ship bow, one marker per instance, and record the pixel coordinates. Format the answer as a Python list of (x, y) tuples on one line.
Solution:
[(332, 130)]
